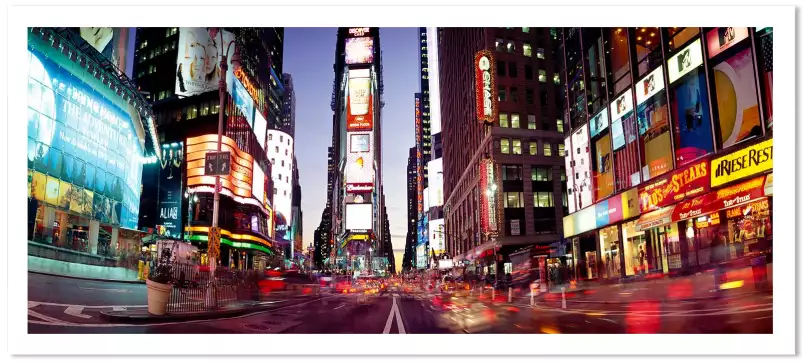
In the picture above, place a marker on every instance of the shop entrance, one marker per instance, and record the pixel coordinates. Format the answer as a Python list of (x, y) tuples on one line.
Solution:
[(663, 249)]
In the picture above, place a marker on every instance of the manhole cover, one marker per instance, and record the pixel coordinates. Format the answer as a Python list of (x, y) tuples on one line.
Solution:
[(257, 327)]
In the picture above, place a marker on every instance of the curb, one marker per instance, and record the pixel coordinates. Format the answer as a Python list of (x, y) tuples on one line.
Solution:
[(91, 279), (695, 299)]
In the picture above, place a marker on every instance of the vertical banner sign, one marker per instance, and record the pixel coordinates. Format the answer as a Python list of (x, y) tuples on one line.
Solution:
[(419, 166), (488, 205), (170, 182), (486, 92)]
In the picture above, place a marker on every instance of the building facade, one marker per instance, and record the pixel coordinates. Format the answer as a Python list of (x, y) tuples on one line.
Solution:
[(670, 132), (408, 262), (184, 92), (288, 119), (501, 119)]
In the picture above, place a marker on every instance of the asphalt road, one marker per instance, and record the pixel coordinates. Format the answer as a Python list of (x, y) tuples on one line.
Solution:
[(58, 311)]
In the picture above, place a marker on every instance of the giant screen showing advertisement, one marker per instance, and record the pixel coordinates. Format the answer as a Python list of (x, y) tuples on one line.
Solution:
[(437, 237), (360, 50), (624, 137), (359, 216), (360, 101), (435, 172), (582, 168), (116, 44), (83, 152), (737, 100), (260, 128), (360, 160), (653, 122), (280, 152), (170, 180), (570, 194), (243, 102), (198, 64)]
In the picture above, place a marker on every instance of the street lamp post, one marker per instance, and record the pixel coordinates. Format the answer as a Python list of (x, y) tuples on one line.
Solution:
[(224, 66)]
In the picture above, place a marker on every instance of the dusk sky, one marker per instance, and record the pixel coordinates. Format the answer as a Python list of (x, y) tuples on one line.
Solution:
[(309, 55)]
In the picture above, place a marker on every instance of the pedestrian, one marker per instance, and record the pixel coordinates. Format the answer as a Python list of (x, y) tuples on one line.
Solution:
[(641, 259), (718, 257)]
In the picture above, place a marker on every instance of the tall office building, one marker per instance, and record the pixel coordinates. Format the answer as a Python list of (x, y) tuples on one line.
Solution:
[(183, 92), (288, 121), (412, 212), (502, 135), (651, 107), (437, 237), (357, 206)]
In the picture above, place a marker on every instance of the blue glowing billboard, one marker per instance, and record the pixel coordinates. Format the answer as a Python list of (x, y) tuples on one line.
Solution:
[(84, 140)]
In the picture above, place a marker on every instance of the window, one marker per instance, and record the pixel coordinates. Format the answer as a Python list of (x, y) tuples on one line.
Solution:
[(533, 148), (561, 150), (514, 121), (143, 45), (504, 145), (514, 199), (525, 30), (503, 120), (565, 200), (547, 149), (511, 173), (540, 53), (560, 125), (516, 147), (192, 112), (528, 50), (530, 96), (541, 174), (270, 137), (281, 139), (528, 72), (556, 79), (511, 47), (275, 191), (542, 199), (282, 163), (531, 121), (514, 94), (542, 75), (173, 31), (499, 44), (500, 68), (277, 149), (502, 94)]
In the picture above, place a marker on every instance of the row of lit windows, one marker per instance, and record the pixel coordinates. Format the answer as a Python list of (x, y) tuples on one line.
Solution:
[(540, 199), (508, 146), (155, 52), (527, 49), (514, 121), (514, 173)]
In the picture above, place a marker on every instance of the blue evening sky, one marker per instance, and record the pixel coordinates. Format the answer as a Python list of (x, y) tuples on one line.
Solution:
[(309, 55)]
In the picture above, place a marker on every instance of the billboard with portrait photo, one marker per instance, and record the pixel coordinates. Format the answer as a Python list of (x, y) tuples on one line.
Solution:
[(170, 189), (116, 44), (198, 64)]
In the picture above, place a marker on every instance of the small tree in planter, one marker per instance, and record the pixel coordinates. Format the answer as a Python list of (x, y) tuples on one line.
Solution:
[(160, 283)]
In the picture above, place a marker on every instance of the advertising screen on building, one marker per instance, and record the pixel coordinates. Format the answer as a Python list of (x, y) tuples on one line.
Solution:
[(437, 236), (434, 82), (237, 182), (721, 39), (260, 128), (599, 123), (570, 194), (582, 168), (280, 152), (359, 165), (170, 180), (360, 50), (435, 173), (489, 190), (116, 44), (359, 216), (486, 92), (686, 60), (258, 188), (198, 63), (737, 99), (421, 256), (686, 182), (82, 145), (243, 102), (359, 107)]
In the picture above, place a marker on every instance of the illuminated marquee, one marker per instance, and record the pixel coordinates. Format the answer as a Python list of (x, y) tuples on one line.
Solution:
[(358, 32), (250, 87), (485, 87), (238, 181), (743, 163), (689, 181), (487, 186)]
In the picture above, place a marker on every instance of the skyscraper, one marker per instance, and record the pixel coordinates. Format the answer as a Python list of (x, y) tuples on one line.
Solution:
[(288, 121), (502, 144), (412, 211)]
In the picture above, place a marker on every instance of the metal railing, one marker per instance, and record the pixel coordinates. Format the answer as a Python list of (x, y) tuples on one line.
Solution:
[(191, 283)]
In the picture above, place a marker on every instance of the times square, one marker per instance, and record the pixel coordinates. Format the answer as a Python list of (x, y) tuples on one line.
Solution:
[(165, 172)]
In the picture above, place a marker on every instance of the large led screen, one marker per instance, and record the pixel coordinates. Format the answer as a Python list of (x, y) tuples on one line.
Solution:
[(243, 102), (571, 194), (280, 152), (624, 137), (652, 114), (435, 173), (198, 64), (359, 164), (170, 180), (116, 44), (260, 128), (437, 237), (737, 100), (83, 140), (359, 217), (360, 101), (582, 168), (692, 121), (258, 188), (360, 50)]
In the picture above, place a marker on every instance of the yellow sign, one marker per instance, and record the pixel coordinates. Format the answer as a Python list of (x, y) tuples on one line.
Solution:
[(742, 163), (630, 204)]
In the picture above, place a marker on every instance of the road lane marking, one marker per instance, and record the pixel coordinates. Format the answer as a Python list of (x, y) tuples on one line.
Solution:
[(608, 320), (398, 318), (394, 312), (108, 290), (765, 317), (340, 306), (32, 304), (389, 322), (53, 321), (75, 311), (84, 306)]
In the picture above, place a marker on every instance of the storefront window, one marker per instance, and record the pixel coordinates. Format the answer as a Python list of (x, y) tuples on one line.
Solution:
[(618, 59), (610, 266), (648, 49), (749, 228), (575, 83), (680, 36), (635, 249), (594, 61)]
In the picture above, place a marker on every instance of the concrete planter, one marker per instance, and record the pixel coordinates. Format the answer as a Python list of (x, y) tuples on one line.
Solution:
[(158, 296)]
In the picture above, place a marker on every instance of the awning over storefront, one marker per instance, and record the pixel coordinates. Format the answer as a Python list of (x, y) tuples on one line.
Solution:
[(477, 252), (655, 218), (725, 198)]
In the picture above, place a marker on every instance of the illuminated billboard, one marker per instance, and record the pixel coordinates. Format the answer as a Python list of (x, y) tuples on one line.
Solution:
[(486, 92), (435, 173), (280, 152), (359, 216), (83, 151), (360, 159), (571, 194), (260, 128), (237, 182), (243, 102), (421, 256), (116, 44), (198, 63), (360, 50), (582, 168), (170, 179), (437, 236), (489, 190), (359, 107), (434, 82)]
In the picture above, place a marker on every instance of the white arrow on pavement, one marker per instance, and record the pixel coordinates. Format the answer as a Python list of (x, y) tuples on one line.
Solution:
[(75, 311)]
